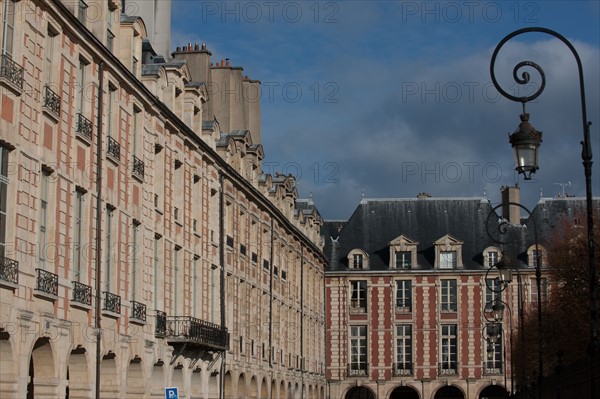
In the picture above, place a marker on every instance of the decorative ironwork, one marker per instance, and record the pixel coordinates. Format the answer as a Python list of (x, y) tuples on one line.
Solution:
[(51, 100), (112, 302), (138, 168), (12, 72), (9, 270), (492, 367), (46, 282), (114, 149), (448, 368), (191, 329), (160, 329), (83, 127), (138, 311), (403, 369), (361, 369), (82, 293)]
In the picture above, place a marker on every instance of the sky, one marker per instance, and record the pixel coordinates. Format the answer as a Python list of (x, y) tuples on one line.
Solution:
[(388, 99)]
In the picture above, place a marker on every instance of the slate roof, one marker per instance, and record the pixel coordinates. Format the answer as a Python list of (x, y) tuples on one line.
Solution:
[(376, 222)]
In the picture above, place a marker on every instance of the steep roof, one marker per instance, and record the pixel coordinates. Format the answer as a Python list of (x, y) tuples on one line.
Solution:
[(376, 222)]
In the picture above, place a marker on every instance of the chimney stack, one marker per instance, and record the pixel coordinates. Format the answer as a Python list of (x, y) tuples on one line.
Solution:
[(512, 213)]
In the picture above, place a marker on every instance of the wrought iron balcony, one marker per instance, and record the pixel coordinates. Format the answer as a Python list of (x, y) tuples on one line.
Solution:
[(114, 149), (189, 330), (12, 72), (51, 100), (112, 303), (448, 368), (160, 329), (360, 369), (403, 368), (82, 293), (358, 306), (138, 311), (138, 168), (83, 127), (46, 282), (9, 270)]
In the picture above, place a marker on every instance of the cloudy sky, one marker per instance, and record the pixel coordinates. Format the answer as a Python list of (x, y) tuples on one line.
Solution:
[(393, 98)]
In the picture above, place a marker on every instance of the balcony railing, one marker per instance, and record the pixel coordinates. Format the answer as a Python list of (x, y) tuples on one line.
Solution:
[(82, 293), (358, 306), (448, 368), (492, 368), (160, 330), (12, 72), (46, 282), (114, 149), (83, 127), (51, 100), (9, 270), (403, 368), (360, 369), (112, 303), (138, 311), (138, 168), (195, 331)]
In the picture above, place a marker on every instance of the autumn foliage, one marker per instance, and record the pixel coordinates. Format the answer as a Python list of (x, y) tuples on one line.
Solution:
[(566, 312)]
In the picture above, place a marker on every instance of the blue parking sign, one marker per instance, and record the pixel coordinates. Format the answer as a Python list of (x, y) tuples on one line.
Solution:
[(171, 393)]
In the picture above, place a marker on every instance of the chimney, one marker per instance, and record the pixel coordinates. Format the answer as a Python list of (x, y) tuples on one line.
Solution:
[(423, 196), (512, 213)]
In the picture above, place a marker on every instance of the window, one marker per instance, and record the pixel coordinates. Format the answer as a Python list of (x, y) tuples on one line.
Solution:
[(358, 295), (536, 254), (49, 57), (8, 28), (534, 289), (110, 114), (43, 230), (175, 286), (403, 295), (77, 233), (492, 258), (358, 350), (448, 295), (357, 262), (82, 12), (403, 260), (403, 349), (493, 363), (448, 260), (109, 247), (492, 292), (448, 351), (195, 292), (3, 198), (110, 36), (81, 77), (156, 271), (136, 251)]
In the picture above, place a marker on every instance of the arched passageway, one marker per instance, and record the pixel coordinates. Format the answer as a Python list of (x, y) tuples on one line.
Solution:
[(404, 393), (42, 380), (449, 392), (493, 392), (360, 393)]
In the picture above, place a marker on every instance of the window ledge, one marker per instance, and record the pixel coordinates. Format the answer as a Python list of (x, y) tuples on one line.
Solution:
[(197, 234), (158, 210), (8, 285), (44, 295), (81, 306), (403, 309), (110, 314), (50, 114), (179, 223), (114, 160), (16, 90), (139, 322)]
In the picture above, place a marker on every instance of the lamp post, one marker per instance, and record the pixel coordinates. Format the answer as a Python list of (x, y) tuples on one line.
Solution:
[(505, 267), (526, 142)]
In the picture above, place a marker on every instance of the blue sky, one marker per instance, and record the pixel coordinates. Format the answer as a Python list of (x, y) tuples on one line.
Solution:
[(394, 98)]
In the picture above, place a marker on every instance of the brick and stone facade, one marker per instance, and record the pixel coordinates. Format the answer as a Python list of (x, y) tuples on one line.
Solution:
[(121, 189)]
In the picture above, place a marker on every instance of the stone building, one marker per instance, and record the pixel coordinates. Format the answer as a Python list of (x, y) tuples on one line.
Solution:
[(141, 246), (409, 310)]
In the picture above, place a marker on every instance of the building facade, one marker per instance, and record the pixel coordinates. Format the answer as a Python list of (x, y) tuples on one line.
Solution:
[(141, 246), (410, 294)]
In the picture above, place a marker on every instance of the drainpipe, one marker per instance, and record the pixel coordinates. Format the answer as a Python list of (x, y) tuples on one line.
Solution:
[(271, 298), (97, 318), (222, 260), (302, 320)]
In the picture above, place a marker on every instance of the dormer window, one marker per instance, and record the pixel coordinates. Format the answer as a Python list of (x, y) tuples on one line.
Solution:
[(358, 260), (403, 253), (448, 253), (491, 256), (534, 253)]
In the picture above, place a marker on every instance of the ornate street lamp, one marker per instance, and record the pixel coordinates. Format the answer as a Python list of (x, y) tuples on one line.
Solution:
[(526, 142)]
